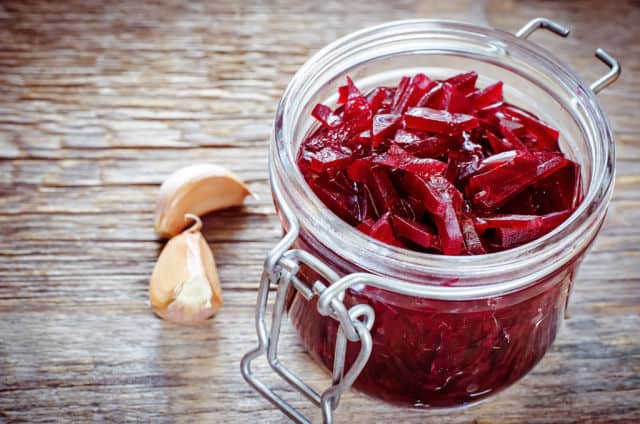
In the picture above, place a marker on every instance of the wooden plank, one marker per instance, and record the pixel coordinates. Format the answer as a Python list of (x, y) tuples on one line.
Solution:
[(250, 165)]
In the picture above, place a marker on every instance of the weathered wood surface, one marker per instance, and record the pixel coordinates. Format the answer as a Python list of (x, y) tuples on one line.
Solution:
[(99, 101)]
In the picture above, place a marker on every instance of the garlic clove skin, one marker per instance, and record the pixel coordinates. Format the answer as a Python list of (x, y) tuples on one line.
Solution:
[(192, 302), (197, 189), (184, 286)]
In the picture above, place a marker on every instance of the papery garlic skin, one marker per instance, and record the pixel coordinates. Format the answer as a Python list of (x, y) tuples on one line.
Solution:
[(184, 286), (197, 189)]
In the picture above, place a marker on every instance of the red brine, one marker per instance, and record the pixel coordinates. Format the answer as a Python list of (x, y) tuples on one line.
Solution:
[(425, 165)]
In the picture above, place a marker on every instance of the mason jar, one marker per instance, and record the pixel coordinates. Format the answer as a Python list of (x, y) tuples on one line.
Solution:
[(444, 331)]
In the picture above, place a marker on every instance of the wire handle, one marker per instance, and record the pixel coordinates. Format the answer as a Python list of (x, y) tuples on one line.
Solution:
[(611, 76), (544, 23)]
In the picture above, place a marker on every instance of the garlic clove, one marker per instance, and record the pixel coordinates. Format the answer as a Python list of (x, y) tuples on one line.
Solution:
[(197, 189), (184, 285)]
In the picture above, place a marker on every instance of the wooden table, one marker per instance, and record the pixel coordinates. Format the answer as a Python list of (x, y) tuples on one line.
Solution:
[(100, 101)]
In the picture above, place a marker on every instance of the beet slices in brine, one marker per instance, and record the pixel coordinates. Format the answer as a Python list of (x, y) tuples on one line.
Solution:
[(440, 166)]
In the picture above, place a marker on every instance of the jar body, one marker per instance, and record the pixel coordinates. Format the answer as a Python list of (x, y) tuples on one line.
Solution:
[(436, 353), (454, 349)]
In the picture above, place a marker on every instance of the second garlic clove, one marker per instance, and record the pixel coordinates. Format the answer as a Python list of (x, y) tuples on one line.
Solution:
[(197, 189), (184, 286)]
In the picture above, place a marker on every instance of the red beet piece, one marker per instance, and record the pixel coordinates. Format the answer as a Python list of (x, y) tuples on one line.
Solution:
[(449, 98), (410, 93), (514, 127), (357, 113), (359, 169), (348, 91), (487, 96), (343, 204), (512, 221), (464, 82), (438, 121), (316, 141), (420, 85), (383, 127), (454, 163), (358, 195), (420, 144), (365, 226), (559, 190), (523, 203), (360, 140), (403, 86), (498, 145), (491, 189), (381, 98), (489, 118), (548, 163), (508, 130), (500, 159), (546, 137), (337, 137), (398, 158), (406, 137), (436, 193), (385, 196), (343, 93), (411, 209), (429, 95), (325, 115), (330, 157), (416, 233), (444, 202), (511, 230), (464, 159), (382, 230)]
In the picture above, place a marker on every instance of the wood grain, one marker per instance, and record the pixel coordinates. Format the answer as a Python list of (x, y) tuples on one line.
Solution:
[(99, 101)]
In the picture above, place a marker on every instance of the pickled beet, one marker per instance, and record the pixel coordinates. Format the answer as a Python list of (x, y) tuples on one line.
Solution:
[(441, 154), (438, 121), (441, 167), (416, 233), (464, 82)]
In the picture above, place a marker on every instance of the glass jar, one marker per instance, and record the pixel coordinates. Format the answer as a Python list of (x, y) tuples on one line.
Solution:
[(448, 330)]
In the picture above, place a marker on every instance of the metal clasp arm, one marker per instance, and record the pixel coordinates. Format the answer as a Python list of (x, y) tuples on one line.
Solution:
[(544, 23)]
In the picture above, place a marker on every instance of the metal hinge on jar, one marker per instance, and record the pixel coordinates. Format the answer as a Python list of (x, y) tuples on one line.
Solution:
[(281, 269)]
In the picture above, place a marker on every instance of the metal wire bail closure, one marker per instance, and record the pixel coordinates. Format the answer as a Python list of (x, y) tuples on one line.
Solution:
[(282, 265), (280, 269)]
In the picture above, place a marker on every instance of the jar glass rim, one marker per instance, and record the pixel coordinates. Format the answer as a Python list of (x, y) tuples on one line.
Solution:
[(542, 255)]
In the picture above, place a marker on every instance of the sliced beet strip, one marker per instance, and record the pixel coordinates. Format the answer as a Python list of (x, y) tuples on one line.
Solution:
[(416, 233), (439, 121)]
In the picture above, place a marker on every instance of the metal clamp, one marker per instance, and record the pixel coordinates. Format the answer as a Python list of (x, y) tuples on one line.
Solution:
[(281, 269), (556, 28)]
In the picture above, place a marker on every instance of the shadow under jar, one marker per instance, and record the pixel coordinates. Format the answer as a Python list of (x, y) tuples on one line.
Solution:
[(491, 317)]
